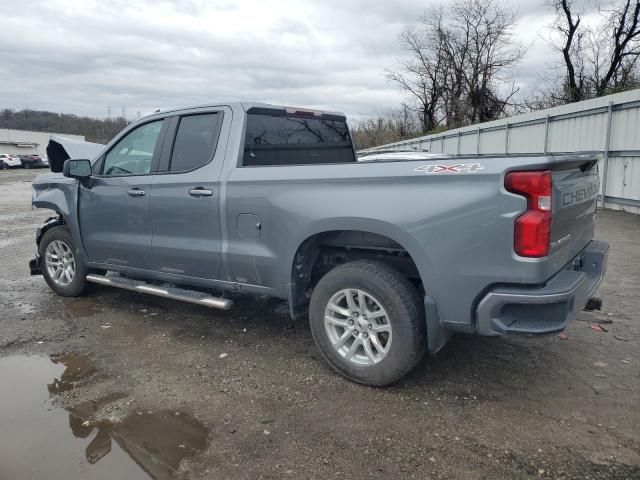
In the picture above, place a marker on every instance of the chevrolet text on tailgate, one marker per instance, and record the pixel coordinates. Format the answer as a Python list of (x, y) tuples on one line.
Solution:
[(388, 253)]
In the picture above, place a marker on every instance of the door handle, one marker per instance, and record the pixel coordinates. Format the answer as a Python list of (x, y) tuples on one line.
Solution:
[(200, 192), (136, 192)]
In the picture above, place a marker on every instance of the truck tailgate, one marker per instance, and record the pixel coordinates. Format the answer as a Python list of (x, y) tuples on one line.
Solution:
[(575, 183)]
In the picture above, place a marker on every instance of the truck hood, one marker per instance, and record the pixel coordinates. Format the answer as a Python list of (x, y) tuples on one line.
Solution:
[(61, 148)]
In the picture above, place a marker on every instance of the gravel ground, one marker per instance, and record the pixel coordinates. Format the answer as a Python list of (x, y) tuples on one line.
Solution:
[(490, 408)]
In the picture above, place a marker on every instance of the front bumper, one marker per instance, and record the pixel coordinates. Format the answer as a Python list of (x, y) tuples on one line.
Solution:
[(549, 308)]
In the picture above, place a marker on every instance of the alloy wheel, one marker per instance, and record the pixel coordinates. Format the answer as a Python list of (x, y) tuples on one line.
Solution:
[(60, 262), (358, 326)]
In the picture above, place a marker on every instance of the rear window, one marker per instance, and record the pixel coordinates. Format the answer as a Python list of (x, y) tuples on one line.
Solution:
[(195, 142), (296, 140)]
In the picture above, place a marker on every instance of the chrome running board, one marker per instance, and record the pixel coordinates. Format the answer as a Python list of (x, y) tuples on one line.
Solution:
[(191, 296)]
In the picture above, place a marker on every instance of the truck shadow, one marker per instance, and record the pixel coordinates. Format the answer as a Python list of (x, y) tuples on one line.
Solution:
[(494, 368), (466, 364)]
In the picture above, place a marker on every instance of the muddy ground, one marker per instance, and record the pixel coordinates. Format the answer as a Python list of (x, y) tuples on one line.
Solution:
[(269, 407)]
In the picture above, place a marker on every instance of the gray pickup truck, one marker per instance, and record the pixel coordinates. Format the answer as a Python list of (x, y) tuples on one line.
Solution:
[(387, 257)]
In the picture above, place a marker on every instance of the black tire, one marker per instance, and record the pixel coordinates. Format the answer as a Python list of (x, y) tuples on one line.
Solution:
[(26, 166), (399, 299), (77, 286)]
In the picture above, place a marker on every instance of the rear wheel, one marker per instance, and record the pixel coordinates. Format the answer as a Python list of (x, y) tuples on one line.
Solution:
[(368, 321), (62, 268)]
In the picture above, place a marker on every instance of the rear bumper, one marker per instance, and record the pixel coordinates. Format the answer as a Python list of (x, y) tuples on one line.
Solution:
[(549, 308)]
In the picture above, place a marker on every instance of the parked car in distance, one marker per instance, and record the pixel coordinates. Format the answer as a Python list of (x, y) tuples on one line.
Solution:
[(11, 161), (31, 161), (45, 161), (386, 258)]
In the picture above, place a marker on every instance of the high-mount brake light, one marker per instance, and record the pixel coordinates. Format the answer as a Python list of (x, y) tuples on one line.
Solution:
[(303, 112), (532, 233)]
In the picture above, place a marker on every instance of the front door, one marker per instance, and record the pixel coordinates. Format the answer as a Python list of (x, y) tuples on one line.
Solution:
[(114, 207), (185, 198)]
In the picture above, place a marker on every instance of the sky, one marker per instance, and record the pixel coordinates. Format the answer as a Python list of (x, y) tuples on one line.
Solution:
[(84, 56)]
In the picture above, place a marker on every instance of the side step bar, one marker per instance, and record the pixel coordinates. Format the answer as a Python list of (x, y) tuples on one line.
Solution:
[(182, 294)]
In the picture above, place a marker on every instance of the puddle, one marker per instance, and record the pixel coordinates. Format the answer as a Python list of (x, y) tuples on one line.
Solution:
[(77, 368), (39, 441)]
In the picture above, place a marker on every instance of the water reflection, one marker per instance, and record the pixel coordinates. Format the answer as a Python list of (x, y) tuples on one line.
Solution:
[(141, 445), (156, 441), (77, 368)]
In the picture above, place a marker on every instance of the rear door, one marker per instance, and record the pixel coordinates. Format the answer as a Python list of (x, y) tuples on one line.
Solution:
[(185, 197), (114, 206)]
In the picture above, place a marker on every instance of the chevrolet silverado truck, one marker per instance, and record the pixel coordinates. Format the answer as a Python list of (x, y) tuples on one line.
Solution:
[(388, 256)]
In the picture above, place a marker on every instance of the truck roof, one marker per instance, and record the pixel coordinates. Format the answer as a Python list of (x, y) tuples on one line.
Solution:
[(248, 105)]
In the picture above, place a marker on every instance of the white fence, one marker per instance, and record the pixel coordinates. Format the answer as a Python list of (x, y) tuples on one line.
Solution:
[(608, 125)]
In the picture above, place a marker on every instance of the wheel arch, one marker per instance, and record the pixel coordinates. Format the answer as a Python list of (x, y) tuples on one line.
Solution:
[(51, 222), (306, 254)]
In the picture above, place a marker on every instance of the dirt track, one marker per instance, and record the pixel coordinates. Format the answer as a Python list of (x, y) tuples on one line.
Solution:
[(489, 408)]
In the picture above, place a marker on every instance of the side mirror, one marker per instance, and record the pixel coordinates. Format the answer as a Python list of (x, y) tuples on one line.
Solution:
[(77, 168)]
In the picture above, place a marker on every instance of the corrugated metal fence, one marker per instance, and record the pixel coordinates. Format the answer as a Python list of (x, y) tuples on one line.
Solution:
[(609, 125)]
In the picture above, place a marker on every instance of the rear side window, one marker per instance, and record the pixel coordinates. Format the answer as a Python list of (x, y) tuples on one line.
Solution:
[(195, 142), (296, 140)]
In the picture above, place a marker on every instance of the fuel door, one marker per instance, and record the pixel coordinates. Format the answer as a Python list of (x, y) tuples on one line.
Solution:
[(249, 225)]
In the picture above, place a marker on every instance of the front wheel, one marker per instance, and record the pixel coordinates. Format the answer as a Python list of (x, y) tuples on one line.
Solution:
[(368, 321), (62, 268)]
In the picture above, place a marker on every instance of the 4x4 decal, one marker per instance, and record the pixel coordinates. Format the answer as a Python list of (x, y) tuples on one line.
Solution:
[(459, 168)]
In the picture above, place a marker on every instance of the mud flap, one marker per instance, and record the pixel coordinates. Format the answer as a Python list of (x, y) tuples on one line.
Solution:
[(437, 335), (34, 266)]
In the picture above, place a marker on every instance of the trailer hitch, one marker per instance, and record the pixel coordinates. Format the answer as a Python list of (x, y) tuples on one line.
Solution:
[(594, 303)]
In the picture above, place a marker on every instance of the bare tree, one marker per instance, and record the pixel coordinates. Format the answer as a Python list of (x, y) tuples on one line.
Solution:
[(624, 50), (423, 75), (567, 23), (390, 126), (599, 59), (459, 63), (485, 28)]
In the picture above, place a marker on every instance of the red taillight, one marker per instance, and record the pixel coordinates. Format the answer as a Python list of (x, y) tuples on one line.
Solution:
[(532, 228)]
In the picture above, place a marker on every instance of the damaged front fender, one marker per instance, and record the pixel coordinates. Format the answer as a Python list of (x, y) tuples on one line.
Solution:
[(56, 192)]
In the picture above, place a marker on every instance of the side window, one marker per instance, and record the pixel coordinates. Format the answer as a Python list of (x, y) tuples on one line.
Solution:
[(132, 154), (295, 140), (195, 142)]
